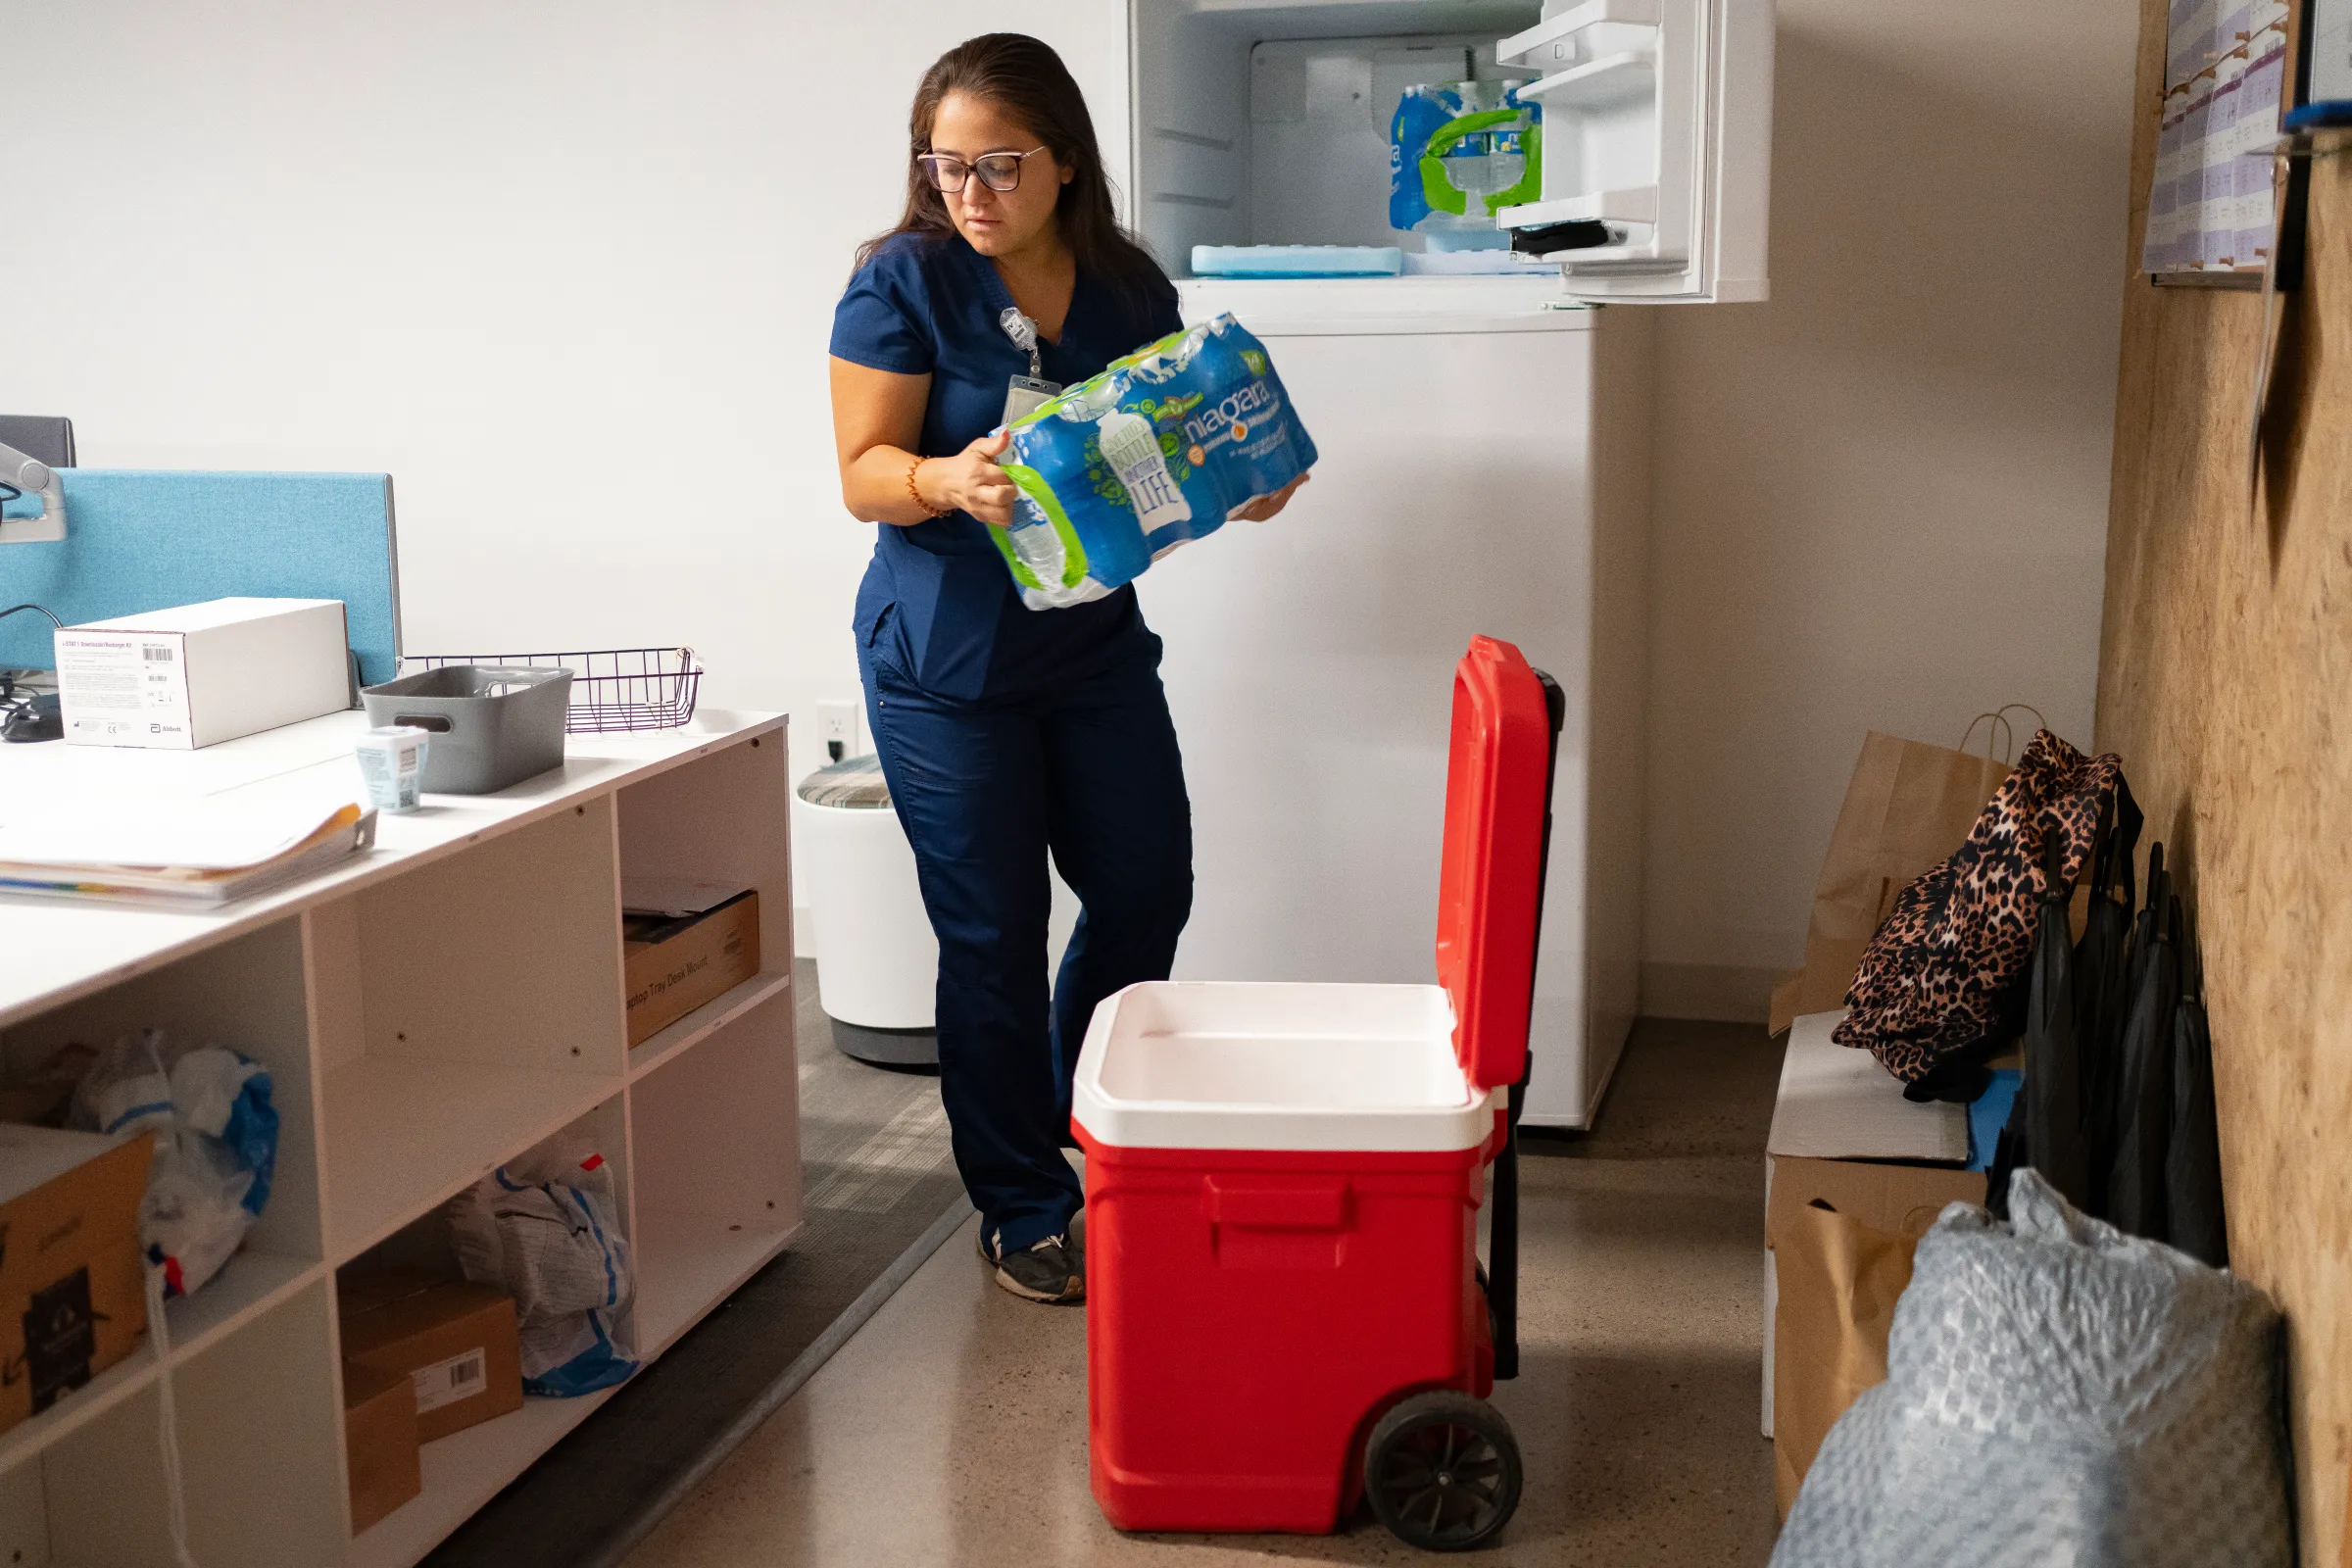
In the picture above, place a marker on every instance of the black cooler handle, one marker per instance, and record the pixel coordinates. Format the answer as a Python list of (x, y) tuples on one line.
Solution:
[(1502, 1240)]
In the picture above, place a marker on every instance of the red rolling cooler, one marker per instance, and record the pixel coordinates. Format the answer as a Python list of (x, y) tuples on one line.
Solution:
[(1283, 1306)]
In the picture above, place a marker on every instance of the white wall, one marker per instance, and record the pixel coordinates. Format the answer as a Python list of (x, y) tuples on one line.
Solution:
[(1881, 497), (566, 269), (518, 254)]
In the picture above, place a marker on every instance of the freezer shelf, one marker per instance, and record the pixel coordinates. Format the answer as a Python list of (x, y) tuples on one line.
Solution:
[(1549, 42), (1603, 83)]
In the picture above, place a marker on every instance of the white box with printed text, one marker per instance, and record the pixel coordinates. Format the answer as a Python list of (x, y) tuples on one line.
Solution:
[(178, 680)]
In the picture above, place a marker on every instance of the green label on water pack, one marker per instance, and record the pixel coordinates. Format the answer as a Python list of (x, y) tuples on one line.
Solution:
[(1040, 494)]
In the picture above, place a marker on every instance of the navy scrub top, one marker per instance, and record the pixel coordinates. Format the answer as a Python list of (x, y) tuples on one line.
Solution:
[(938, 598)]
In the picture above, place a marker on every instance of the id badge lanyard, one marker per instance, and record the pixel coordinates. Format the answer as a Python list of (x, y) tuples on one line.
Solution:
[(1025, 395)]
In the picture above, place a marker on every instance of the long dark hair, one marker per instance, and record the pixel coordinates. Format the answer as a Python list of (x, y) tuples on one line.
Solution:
[(1027, 78)]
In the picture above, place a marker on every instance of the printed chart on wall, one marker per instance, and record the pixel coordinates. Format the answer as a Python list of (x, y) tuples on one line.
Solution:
[(2212, 209)]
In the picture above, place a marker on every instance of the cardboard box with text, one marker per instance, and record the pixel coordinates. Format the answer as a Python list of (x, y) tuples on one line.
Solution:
[(674, 966), (453, 1340)]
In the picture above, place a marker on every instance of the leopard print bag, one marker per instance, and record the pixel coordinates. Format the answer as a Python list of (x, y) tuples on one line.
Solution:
[(1942, 985)]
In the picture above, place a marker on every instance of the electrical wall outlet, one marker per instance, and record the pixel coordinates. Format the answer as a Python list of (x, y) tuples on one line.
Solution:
[(837, 727)]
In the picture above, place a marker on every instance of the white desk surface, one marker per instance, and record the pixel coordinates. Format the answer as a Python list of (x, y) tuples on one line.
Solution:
[(54, 949)]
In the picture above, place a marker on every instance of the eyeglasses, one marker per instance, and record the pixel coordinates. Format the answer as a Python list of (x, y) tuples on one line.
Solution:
[(997, 170)]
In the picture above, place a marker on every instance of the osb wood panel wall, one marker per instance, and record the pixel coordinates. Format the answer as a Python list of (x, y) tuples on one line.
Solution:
[(2224, 657)]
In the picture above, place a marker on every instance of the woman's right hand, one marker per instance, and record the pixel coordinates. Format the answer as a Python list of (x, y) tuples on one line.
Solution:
[(970, 481)]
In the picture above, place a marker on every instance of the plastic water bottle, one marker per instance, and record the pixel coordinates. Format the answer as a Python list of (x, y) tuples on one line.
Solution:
[(1485, 165), (1128, 443), (1506, 144), (1035, 544), (1479, 171)]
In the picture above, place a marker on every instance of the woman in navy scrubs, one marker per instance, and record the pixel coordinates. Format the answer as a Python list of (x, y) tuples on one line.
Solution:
[(1007, 733)]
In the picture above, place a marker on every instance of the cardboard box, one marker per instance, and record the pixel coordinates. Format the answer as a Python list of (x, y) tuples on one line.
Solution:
[(36, 1104), (72, 1290), (379, 1442), (674, 966), (455, 1342), (1900, 1200), (177, 679)]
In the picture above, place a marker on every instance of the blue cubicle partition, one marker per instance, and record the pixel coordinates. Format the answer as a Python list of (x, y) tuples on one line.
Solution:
[(140, 539)]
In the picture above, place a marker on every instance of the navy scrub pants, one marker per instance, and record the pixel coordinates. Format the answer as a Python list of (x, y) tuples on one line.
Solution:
[(1089, 770)]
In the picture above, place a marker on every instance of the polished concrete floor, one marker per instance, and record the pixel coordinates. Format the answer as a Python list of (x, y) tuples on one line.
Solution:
[(951, 1430), (877, 1175)]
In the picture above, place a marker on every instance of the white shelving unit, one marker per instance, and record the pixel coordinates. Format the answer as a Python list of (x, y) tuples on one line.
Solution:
[(426, 1012)]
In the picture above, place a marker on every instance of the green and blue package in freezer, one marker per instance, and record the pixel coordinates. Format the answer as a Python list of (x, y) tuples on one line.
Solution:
[(1461, 152), (1155, 452)]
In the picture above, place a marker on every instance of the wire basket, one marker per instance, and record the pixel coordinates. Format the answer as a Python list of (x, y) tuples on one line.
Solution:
[(613, 690)]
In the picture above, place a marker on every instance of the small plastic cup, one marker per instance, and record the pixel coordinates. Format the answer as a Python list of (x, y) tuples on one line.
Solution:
[(392, 765)]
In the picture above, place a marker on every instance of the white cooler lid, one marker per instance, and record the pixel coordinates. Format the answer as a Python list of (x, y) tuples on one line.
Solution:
[(1238, 1064)]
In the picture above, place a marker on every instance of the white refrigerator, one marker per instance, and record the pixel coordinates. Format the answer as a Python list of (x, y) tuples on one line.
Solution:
[(1484, 467)]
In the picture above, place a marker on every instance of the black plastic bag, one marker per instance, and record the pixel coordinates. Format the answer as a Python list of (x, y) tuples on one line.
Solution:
[(2194, 1219), (2101, 993), (2050, 1099), (2143, 1111), (2008, 1157)]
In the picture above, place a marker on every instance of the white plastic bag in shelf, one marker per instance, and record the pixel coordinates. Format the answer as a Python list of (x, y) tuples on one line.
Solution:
[(216, 1145), (193, 1218), (546, 1229)]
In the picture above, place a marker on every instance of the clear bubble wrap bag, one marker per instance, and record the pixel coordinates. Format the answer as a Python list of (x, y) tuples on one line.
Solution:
[(2057, 1393), (1155, 452)]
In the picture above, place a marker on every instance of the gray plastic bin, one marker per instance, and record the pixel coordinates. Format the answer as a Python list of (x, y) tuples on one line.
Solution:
[(492, 724)]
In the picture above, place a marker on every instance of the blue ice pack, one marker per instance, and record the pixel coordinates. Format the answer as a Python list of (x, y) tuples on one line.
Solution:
[(1296, 260), (1157, 451)]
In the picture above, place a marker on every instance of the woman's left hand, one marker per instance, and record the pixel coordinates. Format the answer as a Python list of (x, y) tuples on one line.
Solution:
[(1265, 507)]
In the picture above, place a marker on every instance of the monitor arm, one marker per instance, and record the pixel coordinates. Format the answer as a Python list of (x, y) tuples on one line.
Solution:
[(31, 474)]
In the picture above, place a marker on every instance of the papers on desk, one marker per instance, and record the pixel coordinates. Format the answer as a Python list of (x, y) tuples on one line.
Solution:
[(207, 849)]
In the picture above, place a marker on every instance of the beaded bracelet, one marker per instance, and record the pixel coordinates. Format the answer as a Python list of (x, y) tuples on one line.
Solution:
[(917, 495)]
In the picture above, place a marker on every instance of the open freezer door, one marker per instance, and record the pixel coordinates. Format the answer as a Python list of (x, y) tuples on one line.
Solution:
[(1657, 147)]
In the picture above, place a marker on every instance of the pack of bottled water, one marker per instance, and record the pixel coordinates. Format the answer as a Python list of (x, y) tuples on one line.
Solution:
[(1155, 452), (1459, 153)]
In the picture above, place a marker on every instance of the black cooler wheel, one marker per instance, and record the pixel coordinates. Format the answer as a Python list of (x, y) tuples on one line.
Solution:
[(1442, 1471)]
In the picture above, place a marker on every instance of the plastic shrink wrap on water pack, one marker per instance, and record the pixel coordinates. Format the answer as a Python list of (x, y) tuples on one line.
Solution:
[(1158, 449)]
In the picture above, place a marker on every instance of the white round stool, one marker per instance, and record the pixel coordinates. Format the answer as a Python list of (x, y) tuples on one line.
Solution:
[(877, 962)]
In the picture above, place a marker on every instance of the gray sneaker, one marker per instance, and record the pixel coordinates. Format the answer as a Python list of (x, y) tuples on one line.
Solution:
[(1051, 1271)]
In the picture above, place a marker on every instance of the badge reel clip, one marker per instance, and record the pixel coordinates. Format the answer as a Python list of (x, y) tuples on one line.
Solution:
[(1025, 395)]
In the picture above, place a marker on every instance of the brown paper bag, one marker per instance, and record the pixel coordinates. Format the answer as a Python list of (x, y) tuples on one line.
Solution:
[(1907, 806), (1839, 1282)]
